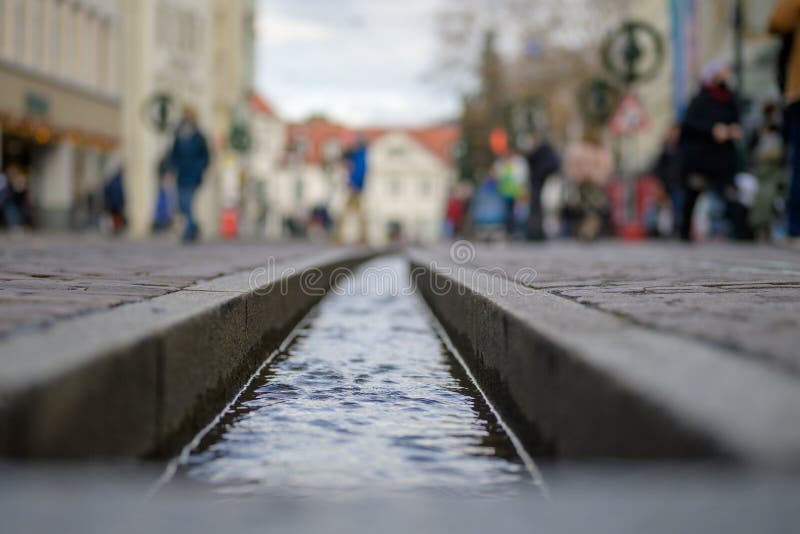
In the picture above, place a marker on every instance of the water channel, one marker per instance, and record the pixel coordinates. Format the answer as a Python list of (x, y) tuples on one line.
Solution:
[(365, 396)]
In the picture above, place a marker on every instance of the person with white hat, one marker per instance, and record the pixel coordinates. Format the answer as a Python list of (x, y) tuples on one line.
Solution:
[(709, 133)]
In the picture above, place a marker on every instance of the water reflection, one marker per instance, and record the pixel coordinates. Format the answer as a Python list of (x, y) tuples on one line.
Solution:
[(366, 398)]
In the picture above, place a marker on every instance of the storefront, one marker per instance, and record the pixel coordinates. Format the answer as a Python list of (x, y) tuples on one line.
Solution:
[(55, 145)]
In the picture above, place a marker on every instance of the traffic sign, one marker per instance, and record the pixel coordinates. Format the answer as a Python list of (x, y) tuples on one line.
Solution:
[(630, 117)]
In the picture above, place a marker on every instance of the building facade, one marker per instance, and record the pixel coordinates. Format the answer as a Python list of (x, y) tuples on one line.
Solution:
[(410, 175), (260, 216), (183, 53), (702, 30), (60, 103)]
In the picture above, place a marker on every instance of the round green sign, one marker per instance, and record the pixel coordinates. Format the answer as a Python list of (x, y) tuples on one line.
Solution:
[(634, 53)]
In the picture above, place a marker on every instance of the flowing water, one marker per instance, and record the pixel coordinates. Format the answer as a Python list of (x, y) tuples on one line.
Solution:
[(366, 397)]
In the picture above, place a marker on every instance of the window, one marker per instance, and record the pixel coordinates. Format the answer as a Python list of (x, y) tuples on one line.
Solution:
[(103, 54), (163, 23), (395, 186), (2, 27), (75, 49), (425, 187), (19, 30), (54, 53), (331, 149), (67, 38), (37, 34)]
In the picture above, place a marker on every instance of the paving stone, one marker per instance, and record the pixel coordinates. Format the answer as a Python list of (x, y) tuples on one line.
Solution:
[(47, 278), (742, 297)]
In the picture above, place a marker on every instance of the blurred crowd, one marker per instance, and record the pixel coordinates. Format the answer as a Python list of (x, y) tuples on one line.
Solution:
[(715, 177)]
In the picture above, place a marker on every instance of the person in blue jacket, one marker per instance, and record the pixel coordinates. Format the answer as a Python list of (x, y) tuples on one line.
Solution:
[(189, 158), (356, 159)]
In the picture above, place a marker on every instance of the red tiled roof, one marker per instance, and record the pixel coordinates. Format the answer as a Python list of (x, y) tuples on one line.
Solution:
[(315, 133), (260, 104), (439, 140)]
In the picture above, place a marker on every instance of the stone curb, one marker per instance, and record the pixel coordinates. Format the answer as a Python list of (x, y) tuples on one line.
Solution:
[(575, 382), (141, 379)]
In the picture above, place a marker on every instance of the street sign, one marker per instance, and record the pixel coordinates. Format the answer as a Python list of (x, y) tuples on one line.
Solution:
[(159, 111), (597, 100), (240, 138), (630, 117), (634, 53)]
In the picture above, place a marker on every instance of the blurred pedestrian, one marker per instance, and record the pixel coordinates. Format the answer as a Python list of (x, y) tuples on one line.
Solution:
[(588, 165), (114, 200), (785, 22), (488, 210), (543, 162), (5, 191), (162, 218), (511, 172), (189, 160), (16, 207), (356, 159), (710, 130), (769, 158), (667, 169), (457, 205)]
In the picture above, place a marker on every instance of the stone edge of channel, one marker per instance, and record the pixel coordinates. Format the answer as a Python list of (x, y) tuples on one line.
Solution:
[(141, 379), (575, 382)]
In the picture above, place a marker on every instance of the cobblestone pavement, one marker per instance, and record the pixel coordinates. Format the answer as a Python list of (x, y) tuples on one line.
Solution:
[(746, 298), (742, 297), (45, 278)]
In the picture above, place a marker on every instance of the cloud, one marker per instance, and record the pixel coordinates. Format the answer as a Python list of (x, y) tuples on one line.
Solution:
[(360, 61), (275, 28)]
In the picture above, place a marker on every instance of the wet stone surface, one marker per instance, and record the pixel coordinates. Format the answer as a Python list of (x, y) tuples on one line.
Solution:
[(366, 398)]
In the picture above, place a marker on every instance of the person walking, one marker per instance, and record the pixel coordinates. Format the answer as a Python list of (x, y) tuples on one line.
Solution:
[(511, 173), (190, 159), (588, 165), (667, 169), (543, 162), (114, 200), (769, 158), (709, 133), (785, 22), (356, 159)]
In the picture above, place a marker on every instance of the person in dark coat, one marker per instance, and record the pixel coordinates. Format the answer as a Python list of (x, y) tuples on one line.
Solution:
[(785, 22), (114, 199), (189, 158), (709, 133), (543, 161), (667, 169)]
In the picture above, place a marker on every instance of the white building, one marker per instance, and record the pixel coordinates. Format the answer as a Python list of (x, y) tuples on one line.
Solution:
[(410, 177), (260, 217), (410, 173)]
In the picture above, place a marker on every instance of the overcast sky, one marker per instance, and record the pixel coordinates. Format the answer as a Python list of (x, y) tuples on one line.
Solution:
[(360, 61)]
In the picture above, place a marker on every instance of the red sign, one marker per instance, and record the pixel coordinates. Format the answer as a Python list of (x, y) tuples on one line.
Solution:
[(498, 141), (630, 117)]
